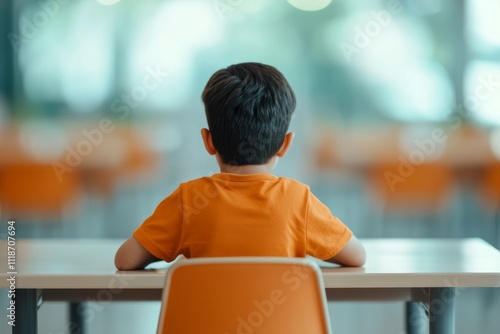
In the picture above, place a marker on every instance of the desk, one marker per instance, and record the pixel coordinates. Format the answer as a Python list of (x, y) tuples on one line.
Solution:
[(463, 148), (432, 271)]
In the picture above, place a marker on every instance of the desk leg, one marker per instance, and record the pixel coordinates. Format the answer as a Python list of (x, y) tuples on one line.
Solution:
[(416, 319), (442, 311), (26, 312), (75, 318)]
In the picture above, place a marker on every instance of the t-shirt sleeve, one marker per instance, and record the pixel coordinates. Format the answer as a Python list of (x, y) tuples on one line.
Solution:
[(161, 233), (326, 235)]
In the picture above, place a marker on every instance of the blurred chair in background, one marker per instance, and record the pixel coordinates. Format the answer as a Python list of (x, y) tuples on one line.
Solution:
[(471, 154), (423, 191), (31, 189), (491, 198)]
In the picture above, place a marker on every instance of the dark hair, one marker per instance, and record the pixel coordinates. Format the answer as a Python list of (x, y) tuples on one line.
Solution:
[(248, 107)]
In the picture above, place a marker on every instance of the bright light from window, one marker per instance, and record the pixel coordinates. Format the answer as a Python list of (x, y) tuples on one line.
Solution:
[(407, 85), (482, 92), (108, 2), (37, 74), (310, 5), (169, 39), (482, 23), (77, 68), (86, 59), (421, 93), (253, 6)]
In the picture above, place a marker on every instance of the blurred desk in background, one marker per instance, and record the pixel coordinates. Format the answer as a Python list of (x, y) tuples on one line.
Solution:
[(360, 148), (429, 180), (40, 160)]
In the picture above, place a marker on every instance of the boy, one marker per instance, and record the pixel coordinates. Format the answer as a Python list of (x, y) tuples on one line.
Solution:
[(243, 210)]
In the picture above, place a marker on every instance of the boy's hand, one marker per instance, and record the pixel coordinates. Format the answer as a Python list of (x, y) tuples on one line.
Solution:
[(131, 255), (352, 255)]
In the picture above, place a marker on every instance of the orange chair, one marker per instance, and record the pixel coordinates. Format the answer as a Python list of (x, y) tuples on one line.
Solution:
[(423, 188), (244, 295), (491, 186), (33, 188), (491, 196), (423, 191)]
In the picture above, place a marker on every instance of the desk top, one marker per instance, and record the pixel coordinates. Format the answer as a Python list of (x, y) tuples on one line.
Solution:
[(391, 263)]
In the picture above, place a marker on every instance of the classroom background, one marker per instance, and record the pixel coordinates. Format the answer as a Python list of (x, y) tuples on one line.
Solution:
[(397, 123)]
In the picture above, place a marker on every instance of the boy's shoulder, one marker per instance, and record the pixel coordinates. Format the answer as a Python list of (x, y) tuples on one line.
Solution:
[(293, 182), (281, 180), (276, 188), (194, 183), (291, 186)]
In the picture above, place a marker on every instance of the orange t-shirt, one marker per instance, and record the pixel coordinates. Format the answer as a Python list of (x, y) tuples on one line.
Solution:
[(242, 215)]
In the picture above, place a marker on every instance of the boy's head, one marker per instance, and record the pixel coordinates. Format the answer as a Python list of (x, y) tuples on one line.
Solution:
[(249, 107)]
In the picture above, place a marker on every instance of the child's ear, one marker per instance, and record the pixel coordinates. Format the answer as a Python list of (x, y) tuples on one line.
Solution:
[(287, 142), (207, 140)]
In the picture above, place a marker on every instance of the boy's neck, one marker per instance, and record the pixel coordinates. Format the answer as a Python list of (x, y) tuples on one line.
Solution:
[(249, 169)]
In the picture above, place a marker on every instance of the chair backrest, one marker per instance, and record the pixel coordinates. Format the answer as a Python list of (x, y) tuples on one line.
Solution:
[(244, 295)]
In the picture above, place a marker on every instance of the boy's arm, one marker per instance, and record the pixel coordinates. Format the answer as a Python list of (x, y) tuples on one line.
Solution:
[(131, 255), (352, 255)]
